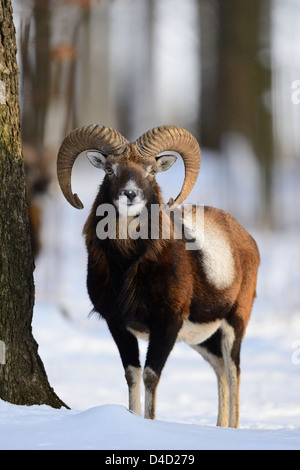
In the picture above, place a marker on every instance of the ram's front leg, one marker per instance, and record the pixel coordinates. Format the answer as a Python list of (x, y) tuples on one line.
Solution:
[(129, 352), (161, 341), (133, 378)]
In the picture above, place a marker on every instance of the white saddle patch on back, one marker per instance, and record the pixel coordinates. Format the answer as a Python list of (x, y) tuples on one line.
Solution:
[(217, 256)]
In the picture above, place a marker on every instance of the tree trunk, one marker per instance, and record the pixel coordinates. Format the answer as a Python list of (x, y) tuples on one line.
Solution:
[(23, 379)]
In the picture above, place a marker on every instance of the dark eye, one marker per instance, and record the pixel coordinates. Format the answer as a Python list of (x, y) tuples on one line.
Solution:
[(109, 171), (152, 173)]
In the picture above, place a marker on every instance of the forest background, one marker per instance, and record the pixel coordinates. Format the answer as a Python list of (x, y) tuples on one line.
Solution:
[(229, 72)]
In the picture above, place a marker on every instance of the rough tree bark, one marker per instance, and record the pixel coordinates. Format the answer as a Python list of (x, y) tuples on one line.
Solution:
[(23, 379)]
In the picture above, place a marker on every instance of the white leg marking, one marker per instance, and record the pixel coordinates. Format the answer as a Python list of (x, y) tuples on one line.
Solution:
[(133, 377), (151, 381), (217, 363), (231, 373), (223, 394)]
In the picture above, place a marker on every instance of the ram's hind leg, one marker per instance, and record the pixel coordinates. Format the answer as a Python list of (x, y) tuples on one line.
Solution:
[(222, 351), (211, 352), (233, 329), (230, 345)]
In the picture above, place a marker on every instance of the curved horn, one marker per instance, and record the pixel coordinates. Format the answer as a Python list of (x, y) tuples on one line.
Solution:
[(100, 138), (179, 140)]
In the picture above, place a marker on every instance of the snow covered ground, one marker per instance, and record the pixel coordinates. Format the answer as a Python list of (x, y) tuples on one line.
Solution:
[(84, 368)]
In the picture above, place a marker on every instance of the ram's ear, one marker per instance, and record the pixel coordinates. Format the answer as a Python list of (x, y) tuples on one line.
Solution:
[(164, 162), (96, 158)]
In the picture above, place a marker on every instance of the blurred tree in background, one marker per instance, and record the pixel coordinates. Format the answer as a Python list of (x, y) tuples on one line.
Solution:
[(35, 62), (236, 80), (222, 69)]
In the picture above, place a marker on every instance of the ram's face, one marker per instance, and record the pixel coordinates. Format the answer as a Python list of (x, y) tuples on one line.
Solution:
[(131, 179), (131, 185)]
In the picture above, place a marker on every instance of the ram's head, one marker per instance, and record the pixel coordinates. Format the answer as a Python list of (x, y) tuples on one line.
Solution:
[(130, 166)]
